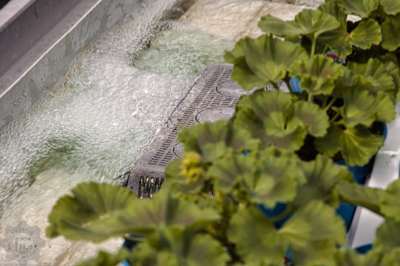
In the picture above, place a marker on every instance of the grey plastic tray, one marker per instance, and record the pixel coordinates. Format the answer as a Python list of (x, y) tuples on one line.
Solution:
[(212, 97)]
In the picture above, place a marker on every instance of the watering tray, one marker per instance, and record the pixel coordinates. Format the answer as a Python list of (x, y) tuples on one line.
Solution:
[(212, 97)]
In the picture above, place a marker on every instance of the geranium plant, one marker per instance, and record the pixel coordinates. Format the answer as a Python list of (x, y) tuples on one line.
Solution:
[(280, 150)]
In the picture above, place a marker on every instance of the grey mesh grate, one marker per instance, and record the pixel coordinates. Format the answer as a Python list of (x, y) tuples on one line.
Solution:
[(213, 92)]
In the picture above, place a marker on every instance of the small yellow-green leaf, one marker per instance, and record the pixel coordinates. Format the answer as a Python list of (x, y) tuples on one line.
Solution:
[(366, 34), (174, 247), (95, 212), (314, 227), (390, 201), (317, 74), (256, 238), (362, 8), (391, 33), (391, 7), (270, 58), (357, 145), (269, 118), (313, 117), (322, 176)]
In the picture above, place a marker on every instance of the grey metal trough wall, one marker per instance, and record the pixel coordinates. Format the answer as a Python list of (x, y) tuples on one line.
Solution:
[(40, 38)]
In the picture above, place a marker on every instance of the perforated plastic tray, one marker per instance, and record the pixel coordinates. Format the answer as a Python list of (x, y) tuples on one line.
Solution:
[(213, 96)]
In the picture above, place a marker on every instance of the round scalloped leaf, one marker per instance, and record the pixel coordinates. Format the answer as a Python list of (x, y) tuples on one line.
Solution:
[(270, 58), (313, 117), (362, 8), (357, 145), (317, 74), (373, 76), (387, 235), (230, 169), (206, 139), (314, 22), (366, 34), (322, 176), (350, 257), (95, 212), (394, 71), (241, 72), (308, 22), (338, 40), (391, 7), (176, 247), (391, 258), (279, 175), (91, 212), (314, 227), (334, 9), (178, 182), (256, 238), (390, 201), (260, 115), (391, 33), (361, 107), (273, 25)]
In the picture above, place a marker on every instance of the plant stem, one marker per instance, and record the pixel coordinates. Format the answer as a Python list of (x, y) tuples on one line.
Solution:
[(310, 97), (330, 104), (314, 45), (360, 196)]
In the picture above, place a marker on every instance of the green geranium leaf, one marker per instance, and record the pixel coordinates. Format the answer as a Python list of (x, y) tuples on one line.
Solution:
[(91, 213), (362, 8), (314, 227), (181, 183), (329, 145), (322, 176), (338, 40), (391, 7), (173, 247), (356, 194), (357, 145), (366, 34), (273, 25), (317, 74), (269, 118), (228, 170), (104, 258), (96, 212), (390, 201), (387, 235), (334, 9), (394, 71), (241, 72), (361, 107), (308, 22), (206, 139), (256, 238), (392, 258), (313, 117), (391, 33), (270, 58), (279, 175), (165, 209), (373, 76), (349, 257)]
